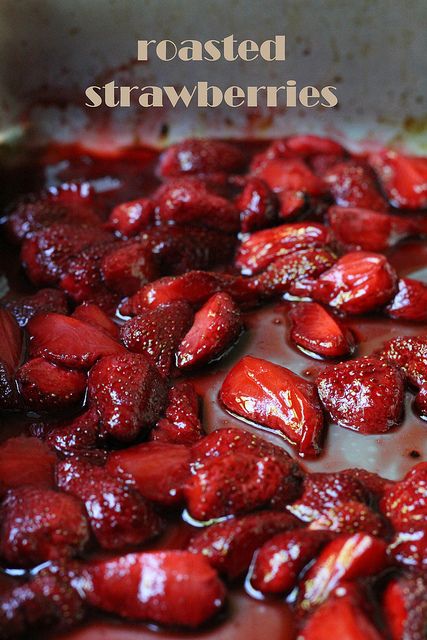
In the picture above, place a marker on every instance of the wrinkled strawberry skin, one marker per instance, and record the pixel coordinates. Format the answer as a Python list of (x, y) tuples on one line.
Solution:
[(181, 423), (352, 184), (405, 503)]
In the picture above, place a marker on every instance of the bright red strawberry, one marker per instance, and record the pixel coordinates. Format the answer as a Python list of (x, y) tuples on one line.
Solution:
[(172, 588), (78, 436), (280, 560), (128, 266), (405, 503), (263, 247), (405, 607), (344, 559), (317, 331), (195, 156), (81, 277), (24, 307), (119, 517), (403, 178), (410, 355), (129, 394), (46, 387), (292, 204), (39, 525), (257, 206), (290, 175), (181, 424), (11, 348), (349, 225), (409, 548), (410, 301), (26, 461), (157, 333), (69, 342), (365, 395), (421, 402), (216, 326), (229, 546), (274, 397), (350, 517), (358, 283), (158, 470), (129, 218), (352, 184), (96, 317)]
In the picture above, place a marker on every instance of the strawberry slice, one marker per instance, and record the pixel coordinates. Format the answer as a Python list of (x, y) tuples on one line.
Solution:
[(129, 218), (352, 184), (96, 317), (157, 333), (25, 307), (158, 470), (173, 588), (410, 301), (411, 490), (26, 461), (290, 175), (229, 545), (78, 436), (11, 347), (262, 247), (410, 355), (129, 394), (257, 206), (276, 398), (409, 548), (128, 266), (81, 277), (69, 342), (405, 607), (216, 326), (181, 424), (403, 178), (365, 395), (195, 156), (317, 331), (358, 283)]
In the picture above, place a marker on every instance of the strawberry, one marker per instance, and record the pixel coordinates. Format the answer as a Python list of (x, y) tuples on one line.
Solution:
[(118, 515), (127, 267), (349, 226), (410, 355), (276, 398), (263, 247), (410, 301), (46, 387), (345, 558), (157, 333), (165, 587), (78, 436), (350, 517), (229, 545), (96, 317), (299, 146), (216, 326), (280, 560), (69, 342), (405, 503), (375, 484), (290, 174), (292, 204), (405, 607), (129, 394), (403, 178), (317, 331), (193, 156), (26, 461), (181, 424), (25, 307), (158, 470), (409, 548), (39, 525), (129, 218), (421, 402), (352, 184), (81, 278), (358, 283), (257, 206), (365, 395), (11, 347)]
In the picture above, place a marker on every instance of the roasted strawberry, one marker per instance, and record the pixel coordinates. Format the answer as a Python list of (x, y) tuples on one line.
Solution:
[(365, 395), (421, 402), (39, 525), (128, 267), (263, 247), (276, 398), (46, 386), (157, 333), (26, 461), (158, 470), (257, 206), (118, 515), (403, 178), (352, 184), (409, 548), (410, 301), (95, 316), (375, 484), (181, 589), (129, 218), (24, 307), (280, 560), (129, 394), (405, 607), (81, 277), (405, 503), (300, 146), (350, 517), (69, 342), (410, 355), (358, 283), (78, 436), (11, 347), (317, 331), (195, 156), (290, 174), (229, 546), (181, 424)]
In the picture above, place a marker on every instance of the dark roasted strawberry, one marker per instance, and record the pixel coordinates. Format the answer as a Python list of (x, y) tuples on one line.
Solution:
[(129, 218), (81, 277), (374, 483), (195, 156), (26, 461), (157, 333), (257, 206), (24, 307), (403, 178), (410, 301), (276, 398), (11, 348), (405, 503), (350, 517), (365, 395), (405, 607), (95, 316), (129, 394), (118, 515), (78, 436), (39, 525), (128, 267), (172, 588), (315, 330), (409, 354), (181, 424), (352, 184), (290, 174), (409, 548)]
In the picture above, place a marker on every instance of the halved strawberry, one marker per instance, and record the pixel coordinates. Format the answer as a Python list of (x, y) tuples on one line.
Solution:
[(78, 436), (375, 484), (181, 424), (410, 301), (290, 174), (365, 395), (257, 205), (157, 333), (317, 331), (81, 277), (26, 461), (11, 347), (358, 283), (158, 470), (173, 588), (403, 178), (24, 307), (95, 316), (405, 503), (128, 266), (405, 607), (129, 218), (262, 247), (409, 548), (352, 184), (304, 146), (410, 355), (350, 517), (193, 156)]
